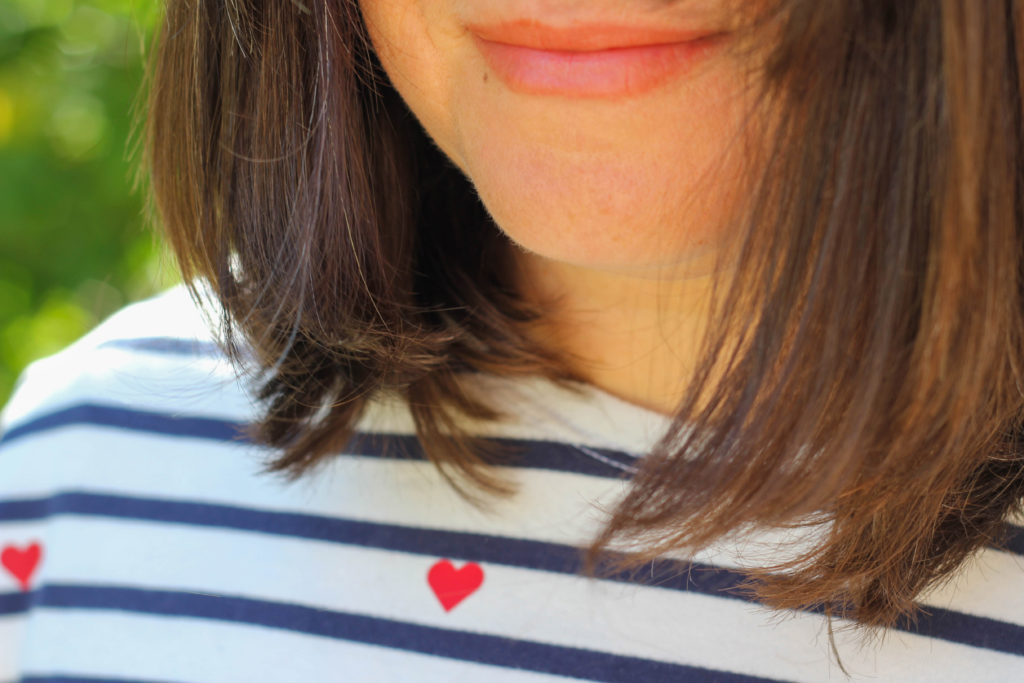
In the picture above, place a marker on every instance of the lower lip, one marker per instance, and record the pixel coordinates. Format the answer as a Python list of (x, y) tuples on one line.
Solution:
[(611, 73)]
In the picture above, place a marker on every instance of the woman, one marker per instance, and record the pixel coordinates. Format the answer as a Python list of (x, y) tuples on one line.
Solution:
[(608, 341)]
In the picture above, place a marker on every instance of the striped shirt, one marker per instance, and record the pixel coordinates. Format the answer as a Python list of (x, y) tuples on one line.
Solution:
[(140, 542)]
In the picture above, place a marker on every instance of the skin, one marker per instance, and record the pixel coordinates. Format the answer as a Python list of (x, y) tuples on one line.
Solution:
[(619, 206)]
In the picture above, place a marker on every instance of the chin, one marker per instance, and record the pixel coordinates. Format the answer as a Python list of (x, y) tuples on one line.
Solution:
[(607, 223)]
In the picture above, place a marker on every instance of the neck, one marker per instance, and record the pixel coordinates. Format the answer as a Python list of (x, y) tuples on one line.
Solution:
[(632, 335)]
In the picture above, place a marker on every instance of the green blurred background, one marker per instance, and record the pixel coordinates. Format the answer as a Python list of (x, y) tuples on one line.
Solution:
[(74, 242)]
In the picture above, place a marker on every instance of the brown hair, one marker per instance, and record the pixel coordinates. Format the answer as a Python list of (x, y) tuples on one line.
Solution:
[(875, 387)]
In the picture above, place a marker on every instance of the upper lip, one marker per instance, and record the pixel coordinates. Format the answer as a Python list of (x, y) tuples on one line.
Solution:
[(583, 37)]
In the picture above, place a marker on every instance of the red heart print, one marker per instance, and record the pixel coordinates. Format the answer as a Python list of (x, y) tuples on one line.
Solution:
[(451, 585), (21, 563)]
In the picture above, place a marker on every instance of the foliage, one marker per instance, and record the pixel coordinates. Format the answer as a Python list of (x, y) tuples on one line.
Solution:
[(74, 244)]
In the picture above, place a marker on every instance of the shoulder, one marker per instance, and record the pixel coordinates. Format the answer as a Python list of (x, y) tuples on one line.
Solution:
[(158, 356)]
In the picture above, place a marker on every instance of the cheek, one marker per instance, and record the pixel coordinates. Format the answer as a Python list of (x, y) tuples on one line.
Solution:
[(419, 45)]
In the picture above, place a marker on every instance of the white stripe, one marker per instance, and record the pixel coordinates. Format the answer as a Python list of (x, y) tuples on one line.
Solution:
[(555, 507), (120, 378), (93, 643), (991, 585), (516, 603), (12, 631), (183, 385), (652, 623), (208, 387), (551, 507)]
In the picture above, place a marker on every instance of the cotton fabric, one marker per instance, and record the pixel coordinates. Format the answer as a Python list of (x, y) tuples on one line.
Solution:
[(139, 541)]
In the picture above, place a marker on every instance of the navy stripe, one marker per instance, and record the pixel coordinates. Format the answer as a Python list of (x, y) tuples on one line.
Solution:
[(82, 679), (131, 420), (1013, 541), (528, 453), (983, 632), (536, 555), (168, 345), (462, 645), (512, 552), (549, 455)]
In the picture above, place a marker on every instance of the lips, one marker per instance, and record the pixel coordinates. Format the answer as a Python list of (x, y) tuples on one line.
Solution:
[(590, 60)]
